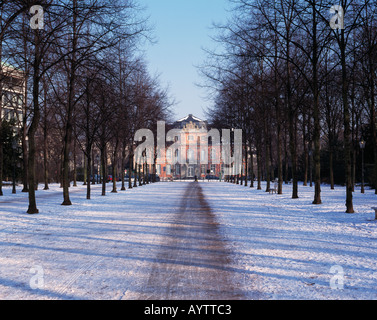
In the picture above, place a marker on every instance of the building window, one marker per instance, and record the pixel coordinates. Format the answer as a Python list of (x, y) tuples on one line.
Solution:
[(190, 155), (190, 138), (158, 169), (203, 155), (215, 157), (191, 171), (168, 155), (168, 169)]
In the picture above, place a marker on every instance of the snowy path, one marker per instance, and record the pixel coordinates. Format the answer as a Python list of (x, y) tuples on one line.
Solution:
[(174, 241), (193, 261)]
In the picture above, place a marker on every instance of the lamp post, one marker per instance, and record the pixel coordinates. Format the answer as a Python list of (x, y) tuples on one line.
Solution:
[(310, 167), (362, 147), (230, 156), (98, 172), (14, 148), (92, 165)]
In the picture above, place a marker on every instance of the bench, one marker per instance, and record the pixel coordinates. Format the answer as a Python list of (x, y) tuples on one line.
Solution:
[(375, 210), (273, 189)]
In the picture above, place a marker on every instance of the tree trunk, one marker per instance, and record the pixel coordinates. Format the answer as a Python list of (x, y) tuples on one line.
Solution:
[(259, 163), (144, 176), (65, 178), (70, 109), (305, 145), (45, 137), (88, 171), (331, 159), (123, 168), (278, 116), (279, 149), (267, 159), (103, 165), (25, 115), (1, 126), (251, 166), (139, 175), (316, 115), (114, 179), (293, 150), (85, 169), (286, 156), (136, 170), (347, 130), (130, 170), (292, 143), (292, 114), (372, 72), (34, 125), (374, 139), (114, 168), (74, 164), (45, 157), (246, 163), (1, 155), (25, 158), (1, 158)]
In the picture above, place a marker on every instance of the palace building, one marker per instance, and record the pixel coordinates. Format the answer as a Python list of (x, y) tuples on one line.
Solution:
[(197, 154)]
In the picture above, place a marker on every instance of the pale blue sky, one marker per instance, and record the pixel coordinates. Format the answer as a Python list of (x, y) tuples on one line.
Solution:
[(182, 29)]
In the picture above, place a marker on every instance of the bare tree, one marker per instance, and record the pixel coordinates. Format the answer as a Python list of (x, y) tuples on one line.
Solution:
[(111, 22)]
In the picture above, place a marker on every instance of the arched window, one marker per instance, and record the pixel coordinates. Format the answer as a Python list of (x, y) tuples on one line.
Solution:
[(190, 155)]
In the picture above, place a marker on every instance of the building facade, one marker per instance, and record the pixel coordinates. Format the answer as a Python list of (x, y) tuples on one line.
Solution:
[(12, 94), (193, 154)]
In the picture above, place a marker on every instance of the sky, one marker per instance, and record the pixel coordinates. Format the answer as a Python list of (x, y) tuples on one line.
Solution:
[(182, 28)]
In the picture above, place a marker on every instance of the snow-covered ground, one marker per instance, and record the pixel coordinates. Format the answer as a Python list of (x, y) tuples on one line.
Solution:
[(291, 249), (96, 249), (104, 248)]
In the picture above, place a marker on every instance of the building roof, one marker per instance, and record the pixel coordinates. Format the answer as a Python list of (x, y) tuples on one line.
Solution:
[(191, 120), (11, 71)]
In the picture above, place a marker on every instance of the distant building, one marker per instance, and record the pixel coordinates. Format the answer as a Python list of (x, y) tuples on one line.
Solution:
[(198, 156), (12, 90)]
